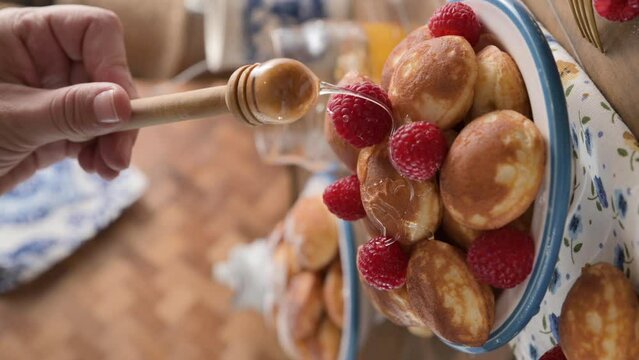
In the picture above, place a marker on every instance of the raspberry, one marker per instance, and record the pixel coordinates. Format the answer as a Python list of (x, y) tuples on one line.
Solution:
[(382, 263), (554, 354), (361, 122), (417, 150), (343, 199), (617, 10), (502, 258), (455, 19)]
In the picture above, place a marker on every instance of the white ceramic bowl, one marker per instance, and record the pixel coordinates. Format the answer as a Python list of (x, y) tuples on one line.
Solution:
[(522, 38)]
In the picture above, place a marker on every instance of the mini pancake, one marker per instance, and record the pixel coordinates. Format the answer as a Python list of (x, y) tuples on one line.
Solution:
[(499, 84), (394, 304), (445, 295), (434, 81), (333, 292), (464, 236), (285, 260), (403, 209), (460, 234), (493, 171), (312, 231), (599, 318), (486, 39), (328, 341), (302, 305), (416, 36), (422, 332), (323, 345)]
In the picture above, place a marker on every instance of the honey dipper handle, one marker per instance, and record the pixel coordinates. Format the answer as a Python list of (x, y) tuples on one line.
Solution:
[(176, 107)]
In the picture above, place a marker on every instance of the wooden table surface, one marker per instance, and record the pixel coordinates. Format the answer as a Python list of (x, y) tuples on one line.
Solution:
[(615, 72)]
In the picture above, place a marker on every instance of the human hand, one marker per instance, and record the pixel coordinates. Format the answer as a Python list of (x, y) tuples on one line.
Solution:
[(65, 86)]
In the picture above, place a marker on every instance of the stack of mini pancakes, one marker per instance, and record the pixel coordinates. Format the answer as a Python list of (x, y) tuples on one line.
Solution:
[(490, 178)]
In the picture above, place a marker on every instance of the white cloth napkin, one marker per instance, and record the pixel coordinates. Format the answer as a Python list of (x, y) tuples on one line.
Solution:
[(603, 218), (46, 218)]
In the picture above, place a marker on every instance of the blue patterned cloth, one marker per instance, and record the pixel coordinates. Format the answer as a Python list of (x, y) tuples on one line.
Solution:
[(603, 218), (45, 219)]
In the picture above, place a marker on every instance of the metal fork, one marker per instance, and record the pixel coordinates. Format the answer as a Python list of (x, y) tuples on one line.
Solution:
[(584, 14)]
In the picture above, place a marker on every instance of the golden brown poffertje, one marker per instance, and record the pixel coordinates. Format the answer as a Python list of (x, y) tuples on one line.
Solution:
[(312, 231), (302, 306), (499, 84), (308, 310), (435, 81), (395, 305), (446, 296), (415, 37), (407, 210), (493, 171), (334, 293), (600, 316)]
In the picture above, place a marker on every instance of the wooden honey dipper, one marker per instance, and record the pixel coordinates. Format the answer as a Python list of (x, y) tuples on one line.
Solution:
[(279, 91)]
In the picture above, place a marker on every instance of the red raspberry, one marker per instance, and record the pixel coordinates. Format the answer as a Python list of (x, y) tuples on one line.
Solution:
[(343, 199), (361, 122), (455, 19), (554, 354), (417, 150), (502, 258), (617, 10), (382, 263)]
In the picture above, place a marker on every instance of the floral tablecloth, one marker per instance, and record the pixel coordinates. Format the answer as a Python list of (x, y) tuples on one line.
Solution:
[(46, 218), (603, 218)]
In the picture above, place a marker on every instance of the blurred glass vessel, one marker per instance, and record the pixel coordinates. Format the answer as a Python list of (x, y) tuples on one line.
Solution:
[(330, 48)]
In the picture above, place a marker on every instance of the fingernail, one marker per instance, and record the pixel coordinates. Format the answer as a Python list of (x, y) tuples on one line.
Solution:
[(104, 107)]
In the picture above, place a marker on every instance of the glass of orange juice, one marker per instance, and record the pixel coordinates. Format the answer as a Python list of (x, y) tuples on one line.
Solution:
[(385, 23)]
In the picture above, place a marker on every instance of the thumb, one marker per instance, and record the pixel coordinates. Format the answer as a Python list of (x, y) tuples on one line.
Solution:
[(81, 112)]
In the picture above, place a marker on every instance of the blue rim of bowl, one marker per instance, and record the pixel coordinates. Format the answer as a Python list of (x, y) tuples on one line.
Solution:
[(351, 278), (560, 176), (352, 346)]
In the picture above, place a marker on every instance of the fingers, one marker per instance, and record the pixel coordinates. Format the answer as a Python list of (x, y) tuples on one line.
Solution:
[(18, 174), (92, 161), (102, 52), (103, 169), (94, 37), (39, 159), (80, 112), (77, 73), (15, 61), (71, 45), (49, 59), (86, 157), (116, 149), (35, 117)]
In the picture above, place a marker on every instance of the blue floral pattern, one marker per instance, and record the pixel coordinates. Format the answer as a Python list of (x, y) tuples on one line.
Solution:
[(554, 326), (555, 281), (603, 219), (46, 218)]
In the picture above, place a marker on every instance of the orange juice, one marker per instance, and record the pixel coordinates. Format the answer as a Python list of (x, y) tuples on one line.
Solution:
[(382, 39)]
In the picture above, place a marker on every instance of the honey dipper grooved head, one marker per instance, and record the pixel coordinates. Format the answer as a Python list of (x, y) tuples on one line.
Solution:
[(283, 91)]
